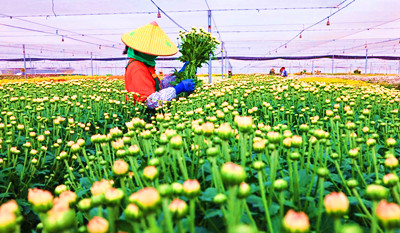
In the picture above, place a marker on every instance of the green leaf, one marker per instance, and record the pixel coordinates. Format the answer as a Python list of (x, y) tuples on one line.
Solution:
[(210, 213), (124, 225), (208, 194), (85, 182), (202, 230), (273, 209), (4, 195), (289, 204), (255, 201), (19, 169), (326, 224)]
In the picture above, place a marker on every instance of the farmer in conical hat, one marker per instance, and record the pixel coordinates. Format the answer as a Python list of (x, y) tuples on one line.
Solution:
[(143, 45)]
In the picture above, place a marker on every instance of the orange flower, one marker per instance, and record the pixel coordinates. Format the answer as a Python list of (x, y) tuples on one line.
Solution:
[(178, 208), (150, 172), (68, 196), (100, 187), (191, 188), (10, 206), (120, 167), (207, 128), (388, 214), (147, 198), (132, 212), (7, 221), (336, 204), (390, 180), (42, 200), (113, 196), (118, 144), (60, 217), (391, 162), (176, 142), (97, 225), (296, 222), (244, 123), (225, 131)]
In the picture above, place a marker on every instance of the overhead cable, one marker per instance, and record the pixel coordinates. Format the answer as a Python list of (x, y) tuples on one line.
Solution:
[(40, 31), (168, 16), (59, 29), (304, 29), (180, 11)]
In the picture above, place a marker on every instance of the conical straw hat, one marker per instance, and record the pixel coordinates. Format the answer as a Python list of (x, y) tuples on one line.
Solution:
[(150, 39)]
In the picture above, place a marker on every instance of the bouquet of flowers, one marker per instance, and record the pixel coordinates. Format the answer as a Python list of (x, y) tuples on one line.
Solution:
[(196, 48)]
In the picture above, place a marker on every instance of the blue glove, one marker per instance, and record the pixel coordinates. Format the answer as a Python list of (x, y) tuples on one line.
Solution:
[(186, 85), (183, 67)]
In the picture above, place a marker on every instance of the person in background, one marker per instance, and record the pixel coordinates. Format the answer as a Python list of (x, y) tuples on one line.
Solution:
[(143, 45), (272, 71), (283, 72)]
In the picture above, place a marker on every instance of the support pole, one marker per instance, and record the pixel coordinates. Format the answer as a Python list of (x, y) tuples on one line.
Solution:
[(366, 60), (23, 49), (209, 62), (222, 59), (312, 67), (226, 64), (333, 59), (91, 62)]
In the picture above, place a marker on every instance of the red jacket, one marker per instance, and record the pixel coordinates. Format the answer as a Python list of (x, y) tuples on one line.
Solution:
[(141, 79)]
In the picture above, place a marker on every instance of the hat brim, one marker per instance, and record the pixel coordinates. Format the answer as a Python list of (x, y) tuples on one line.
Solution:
[(150, 39)]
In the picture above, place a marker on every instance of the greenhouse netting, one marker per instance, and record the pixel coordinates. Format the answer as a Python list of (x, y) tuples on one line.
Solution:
[(255, 36)]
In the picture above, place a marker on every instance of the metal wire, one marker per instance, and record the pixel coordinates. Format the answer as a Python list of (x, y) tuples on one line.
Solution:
[(168, 16), (52, 7), (304, 29), (183, 11)]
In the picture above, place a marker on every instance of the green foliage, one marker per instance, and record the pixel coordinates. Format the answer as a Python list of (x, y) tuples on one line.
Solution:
[(275, 105), (196, 48)]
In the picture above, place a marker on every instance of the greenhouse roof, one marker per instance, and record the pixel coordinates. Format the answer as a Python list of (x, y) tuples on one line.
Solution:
[(76, 28)]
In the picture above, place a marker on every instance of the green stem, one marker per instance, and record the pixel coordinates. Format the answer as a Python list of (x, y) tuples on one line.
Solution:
[(338, 225), (264, 200), (395, 195), (274, 168), (246, 207), (374, 223), (136, 227), (135, 172), (180, 227), (181, 163), (341, 176), (111, 219), (167, 215), (320, 202), (192, 206), (232, 208), (151, 218), (359, 173), (243, 148), (296, 185), (357, 196), (375, 163), (225, 151)]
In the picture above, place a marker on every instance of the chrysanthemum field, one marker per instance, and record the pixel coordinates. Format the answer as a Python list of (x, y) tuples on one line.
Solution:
[(253, 153)]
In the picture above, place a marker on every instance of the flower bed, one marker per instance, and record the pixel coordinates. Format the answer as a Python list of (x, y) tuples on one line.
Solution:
[(250, 154), (390, 81)]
